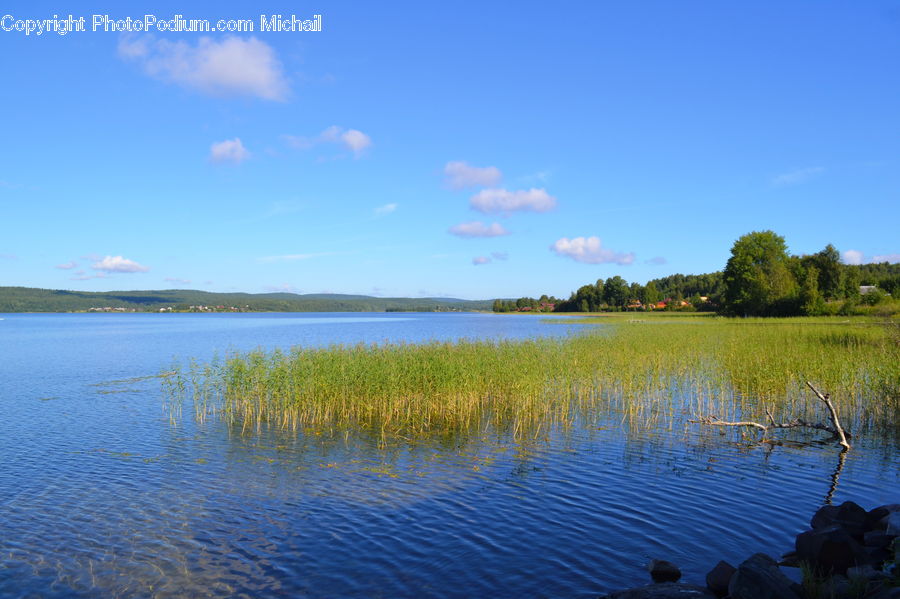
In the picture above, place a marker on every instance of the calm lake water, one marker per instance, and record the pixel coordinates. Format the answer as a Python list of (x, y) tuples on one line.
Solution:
[(102, 496)]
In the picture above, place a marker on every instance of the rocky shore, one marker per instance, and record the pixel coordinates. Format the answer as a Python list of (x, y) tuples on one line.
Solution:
[(848, 553)]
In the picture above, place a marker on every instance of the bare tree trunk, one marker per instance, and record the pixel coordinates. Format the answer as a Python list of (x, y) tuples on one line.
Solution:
[(835, 429)]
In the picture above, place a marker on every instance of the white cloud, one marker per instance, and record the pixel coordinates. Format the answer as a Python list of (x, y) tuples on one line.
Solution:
[(590, 251), (386, 209), (230, 150), (67, 265), (479, 260), (118, 264), (227, 67), (658, 261), (857, 257), (8, 256), (800, 175), (477, 228), (502, 201), (352, 139), (460, 175), (356, 141), (500, 255), (852, 257), (177, 280)]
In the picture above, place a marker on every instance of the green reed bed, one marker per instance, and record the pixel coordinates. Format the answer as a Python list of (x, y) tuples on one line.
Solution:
[(644, 371)]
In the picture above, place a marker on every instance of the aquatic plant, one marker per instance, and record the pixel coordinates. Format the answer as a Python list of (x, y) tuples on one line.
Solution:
[(656, 369)]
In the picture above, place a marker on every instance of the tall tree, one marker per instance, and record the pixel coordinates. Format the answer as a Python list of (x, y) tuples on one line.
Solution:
[(615, 291), (831, 274), (811, 302), (757, 277)]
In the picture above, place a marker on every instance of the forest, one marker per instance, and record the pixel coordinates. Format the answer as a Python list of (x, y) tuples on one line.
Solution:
[(760, 278)]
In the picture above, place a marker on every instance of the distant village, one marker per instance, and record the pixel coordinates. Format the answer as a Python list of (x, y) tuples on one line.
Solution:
[(666, 304), (219, 308)]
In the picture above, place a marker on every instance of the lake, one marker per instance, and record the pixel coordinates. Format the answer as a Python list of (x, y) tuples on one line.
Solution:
[(102, 494)]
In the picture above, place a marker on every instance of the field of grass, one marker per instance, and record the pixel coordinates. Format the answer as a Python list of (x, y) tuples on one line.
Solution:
[(643, 367)]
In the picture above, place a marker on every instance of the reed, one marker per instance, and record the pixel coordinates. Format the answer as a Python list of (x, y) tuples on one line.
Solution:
[(647, 371)]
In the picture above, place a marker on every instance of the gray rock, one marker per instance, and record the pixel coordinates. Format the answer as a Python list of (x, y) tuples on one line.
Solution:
[(758, 577), (824, 516), (893, 524), (865, 571), (875, 515), (663, 571), (665, 590), (877, 538), (886, 593), (790, 560), (837, 586), (830, 550), (718, 578), (852, 518), (885, 512), (890, 507)]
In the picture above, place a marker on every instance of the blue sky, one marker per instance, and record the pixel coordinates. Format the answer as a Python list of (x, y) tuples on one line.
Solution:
[(461, 149)]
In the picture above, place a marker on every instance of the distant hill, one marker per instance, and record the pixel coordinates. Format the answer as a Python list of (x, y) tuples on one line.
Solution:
[(28, 299)]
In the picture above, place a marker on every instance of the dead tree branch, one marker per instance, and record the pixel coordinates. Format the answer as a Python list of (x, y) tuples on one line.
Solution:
[(834, 417), (835, 429)]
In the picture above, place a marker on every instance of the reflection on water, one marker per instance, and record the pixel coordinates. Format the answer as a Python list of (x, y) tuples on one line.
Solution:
[(101, 495)]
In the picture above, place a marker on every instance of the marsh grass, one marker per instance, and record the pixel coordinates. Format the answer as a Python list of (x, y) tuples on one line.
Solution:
[(654, 370)]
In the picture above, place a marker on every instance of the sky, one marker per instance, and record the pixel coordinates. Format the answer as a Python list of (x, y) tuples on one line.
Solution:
[(434, 149)]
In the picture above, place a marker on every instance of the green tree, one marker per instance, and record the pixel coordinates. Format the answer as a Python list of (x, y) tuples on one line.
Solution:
[(758, 280), (615, 291), (831, 273), (811, 302), (851, 284), (636, 293), (651, 293), (587, 299)]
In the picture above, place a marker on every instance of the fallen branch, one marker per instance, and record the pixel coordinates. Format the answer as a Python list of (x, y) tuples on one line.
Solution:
[(834, 417), (835, 429)]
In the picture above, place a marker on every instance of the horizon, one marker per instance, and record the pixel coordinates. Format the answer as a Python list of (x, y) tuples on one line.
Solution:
[(466, 151)]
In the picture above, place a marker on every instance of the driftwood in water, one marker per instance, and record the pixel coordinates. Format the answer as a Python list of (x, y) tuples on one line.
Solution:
[(835, 428)]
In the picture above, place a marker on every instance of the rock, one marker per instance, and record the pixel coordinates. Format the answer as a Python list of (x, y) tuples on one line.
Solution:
[(759, 578), (877, 538), (866, 572), (830, 550), (665, 590), (875, 556), (824, 517), (893, 524), (837, 586), (790, 560), (718, 578), (886, 510), (663, 571), (886, 593), (875, 515), (852, 518)]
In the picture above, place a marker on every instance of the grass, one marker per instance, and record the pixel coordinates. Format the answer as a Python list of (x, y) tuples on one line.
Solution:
[(659, 366)]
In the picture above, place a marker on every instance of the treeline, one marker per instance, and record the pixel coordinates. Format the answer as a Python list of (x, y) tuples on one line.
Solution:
[(675, 292), (759, 279), (527, 304), (762, 279), (28, 299)]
